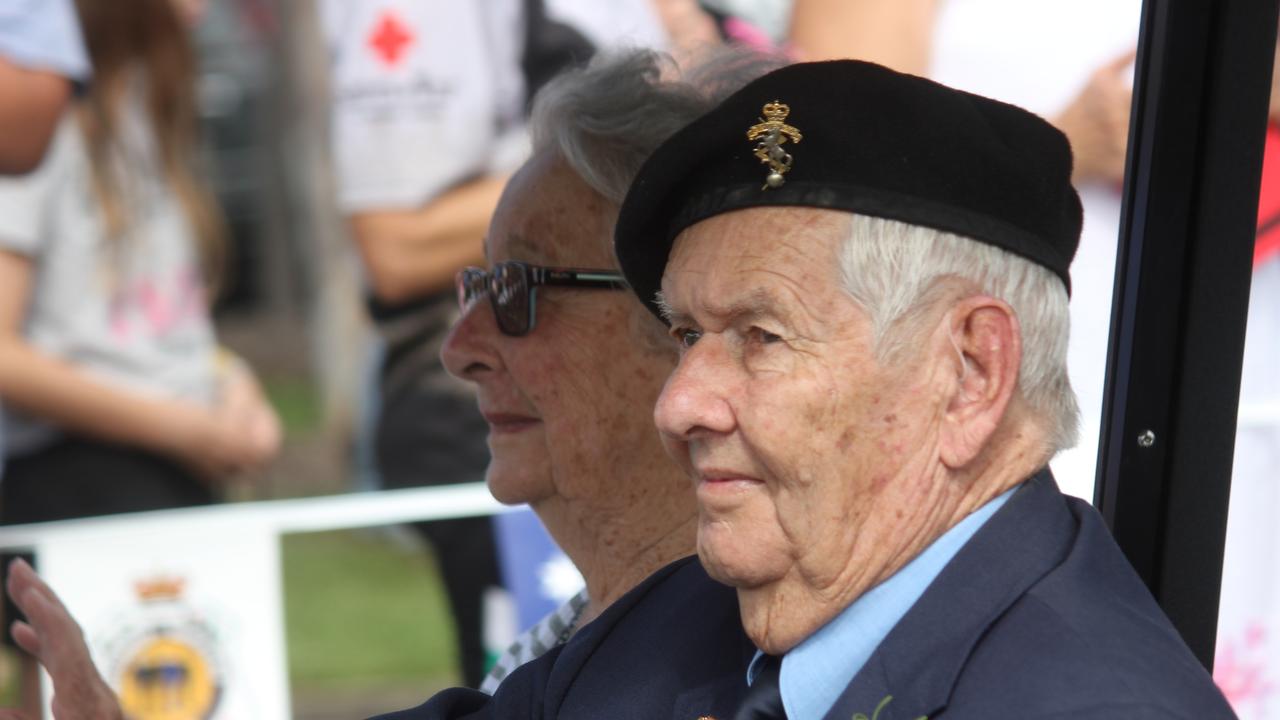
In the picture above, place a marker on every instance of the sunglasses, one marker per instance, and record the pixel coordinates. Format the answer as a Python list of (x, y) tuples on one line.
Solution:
[(510, 286)]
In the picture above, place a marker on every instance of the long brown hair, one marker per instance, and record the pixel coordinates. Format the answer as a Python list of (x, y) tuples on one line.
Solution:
[(147, 41)]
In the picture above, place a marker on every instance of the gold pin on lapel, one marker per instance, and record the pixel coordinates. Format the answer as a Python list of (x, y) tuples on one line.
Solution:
[(770, 134)]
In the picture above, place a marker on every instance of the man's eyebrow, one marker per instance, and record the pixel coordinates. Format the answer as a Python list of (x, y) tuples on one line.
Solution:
[(668, 313), (759, 302)]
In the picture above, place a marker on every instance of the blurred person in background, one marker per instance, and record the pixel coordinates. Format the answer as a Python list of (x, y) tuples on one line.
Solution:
[(41, 58), (427, 103), (116, 397), (1071, 63)]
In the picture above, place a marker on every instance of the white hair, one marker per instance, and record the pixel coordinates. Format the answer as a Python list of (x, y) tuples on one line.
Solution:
[(607, 118), (890, 268)]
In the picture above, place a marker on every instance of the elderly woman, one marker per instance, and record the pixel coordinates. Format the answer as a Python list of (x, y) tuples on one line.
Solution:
[(566, 374), (567, 370)]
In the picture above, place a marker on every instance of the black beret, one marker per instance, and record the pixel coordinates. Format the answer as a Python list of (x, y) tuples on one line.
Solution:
[(855, 136)]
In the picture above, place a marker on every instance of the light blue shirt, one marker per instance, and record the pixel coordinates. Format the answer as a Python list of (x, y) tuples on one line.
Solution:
[(43, 35), (816, 671)]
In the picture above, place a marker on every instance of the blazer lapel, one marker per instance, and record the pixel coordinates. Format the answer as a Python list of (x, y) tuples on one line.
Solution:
[(912, 673), (580, 648)]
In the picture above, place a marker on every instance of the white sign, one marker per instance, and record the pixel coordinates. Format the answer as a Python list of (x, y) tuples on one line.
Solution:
[(183, 609)]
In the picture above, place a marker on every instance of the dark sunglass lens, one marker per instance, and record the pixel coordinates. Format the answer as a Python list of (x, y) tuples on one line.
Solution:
[(511, 298), (470, 285)]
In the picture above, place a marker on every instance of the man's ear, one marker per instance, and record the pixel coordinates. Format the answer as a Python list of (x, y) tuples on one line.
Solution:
[(987, 353)]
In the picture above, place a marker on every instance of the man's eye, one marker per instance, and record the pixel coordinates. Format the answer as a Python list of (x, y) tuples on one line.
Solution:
[(686, 337)]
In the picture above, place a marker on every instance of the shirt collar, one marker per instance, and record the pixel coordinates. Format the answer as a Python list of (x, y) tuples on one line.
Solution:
[(816, 671)]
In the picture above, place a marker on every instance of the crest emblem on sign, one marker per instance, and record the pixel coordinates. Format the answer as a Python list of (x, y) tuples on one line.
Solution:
[(163, 662)]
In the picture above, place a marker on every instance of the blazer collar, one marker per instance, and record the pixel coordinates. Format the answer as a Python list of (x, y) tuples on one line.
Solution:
[(584, 643), (921, 658)]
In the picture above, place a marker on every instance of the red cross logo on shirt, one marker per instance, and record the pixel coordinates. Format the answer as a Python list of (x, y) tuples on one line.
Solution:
[(389, 39)]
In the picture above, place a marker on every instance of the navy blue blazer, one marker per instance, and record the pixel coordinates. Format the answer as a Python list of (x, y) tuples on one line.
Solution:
[(673, 647), (1038, 616)]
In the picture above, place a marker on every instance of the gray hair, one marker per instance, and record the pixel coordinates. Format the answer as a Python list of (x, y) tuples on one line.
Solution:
[(607, 118), (891, 269)]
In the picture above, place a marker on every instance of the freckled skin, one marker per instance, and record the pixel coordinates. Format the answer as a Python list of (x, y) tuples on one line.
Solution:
[(781, 386), (592, 465)]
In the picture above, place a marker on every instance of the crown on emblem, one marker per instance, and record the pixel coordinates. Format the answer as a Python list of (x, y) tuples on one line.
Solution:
[(159, 588), (776, 111)]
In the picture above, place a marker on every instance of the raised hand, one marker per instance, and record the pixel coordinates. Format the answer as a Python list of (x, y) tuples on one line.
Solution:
[(54, 638)]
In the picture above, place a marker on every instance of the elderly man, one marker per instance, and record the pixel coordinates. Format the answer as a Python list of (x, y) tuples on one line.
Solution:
[(867, 275)]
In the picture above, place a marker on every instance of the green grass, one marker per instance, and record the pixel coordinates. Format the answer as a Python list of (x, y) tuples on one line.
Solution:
[(297, 400), (8, 677), (360, 610)]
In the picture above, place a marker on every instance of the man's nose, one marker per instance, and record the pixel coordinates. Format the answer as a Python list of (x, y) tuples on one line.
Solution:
[(469, 350), (695, 401)]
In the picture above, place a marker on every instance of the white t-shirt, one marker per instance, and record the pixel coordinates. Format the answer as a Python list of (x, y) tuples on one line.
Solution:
[(139, 321), (425, 95)]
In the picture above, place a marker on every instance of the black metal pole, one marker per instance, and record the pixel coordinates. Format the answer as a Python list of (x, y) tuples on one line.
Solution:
[(1181, 296)]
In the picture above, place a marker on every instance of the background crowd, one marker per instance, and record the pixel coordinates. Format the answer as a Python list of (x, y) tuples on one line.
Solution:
[(229, 232)]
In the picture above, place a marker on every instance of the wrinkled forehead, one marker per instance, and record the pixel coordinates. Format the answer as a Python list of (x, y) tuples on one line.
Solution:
[(754, 253)]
